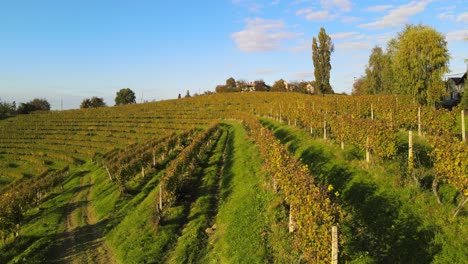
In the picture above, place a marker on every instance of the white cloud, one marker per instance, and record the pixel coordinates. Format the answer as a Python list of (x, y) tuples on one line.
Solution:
[(459, 35), (342, 5), (300, 48), (304, 11), (356, 45), (319, 16), (398, 16), (310, 15), (343, 35), (378, 8), (350, 19), (463, 17), (262, 35), (446, 16), (276, 2)]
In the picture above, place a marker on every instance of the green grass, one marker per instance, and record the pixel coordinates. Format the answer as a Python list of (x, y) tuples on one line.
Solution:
[(241, 218), (42, 227), (389, 219), (191, 246)]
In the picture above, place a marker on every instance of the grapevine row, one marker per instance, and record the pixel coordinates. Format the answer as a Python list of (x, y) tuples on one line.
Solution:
[(311, 208), (24, 195)]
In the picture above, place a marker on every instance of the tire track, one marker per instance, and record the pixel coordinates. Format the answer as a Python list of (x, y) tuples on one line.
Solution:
[(83, 240)]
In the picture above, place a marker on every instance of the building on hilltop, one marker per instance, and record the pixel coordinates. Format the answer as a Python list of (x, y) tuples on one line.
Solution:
[(455, 83)]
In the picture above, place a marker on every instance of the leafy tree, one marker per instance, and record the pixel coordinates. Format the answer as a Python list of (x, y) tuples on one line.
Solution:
[(125, 96), (187, 95), (231, 85), (420, 59), (279, 86), (242, 85), (321, 54), (221, 88), (464, 96), (94, 102), (34, 105), (359, 86), (375, 70), (261, 86), (7, 109), (40, 104)]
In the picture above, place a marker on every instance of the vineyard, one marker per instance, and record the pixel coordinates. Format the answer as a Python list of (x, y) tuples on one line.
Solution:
[(236, 178)]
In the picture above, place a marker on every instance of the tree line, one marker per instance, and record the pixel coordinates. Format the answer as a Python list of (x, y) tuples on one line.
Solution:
[(413, 63), (7, 109), (260, 86)]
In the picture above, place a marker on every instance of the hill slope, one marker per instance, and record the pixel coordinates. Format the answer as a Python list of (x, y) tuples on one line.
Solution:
[(196, 180)]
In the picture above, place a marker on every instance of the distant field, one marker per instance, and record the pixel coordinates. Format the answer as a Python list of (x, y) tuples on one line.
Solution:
[(235, 178)]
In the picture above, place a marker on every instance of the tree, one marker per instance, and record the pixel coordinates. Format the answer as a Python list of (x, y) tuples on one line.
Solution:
[(359, 86), (260, 86), (321, 54), (221, 88), (279, 86), (33, 105), (464, 96), (242, 85), (374, 71), (7, 109), (180, 96), (125, 96), (187, 95), (419, 61), (231, 85), (40, 104), (94, 102)]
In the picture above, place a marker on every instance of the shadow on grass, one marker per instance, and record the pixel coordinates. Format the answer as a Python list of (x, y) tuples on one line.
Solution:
[(226, 178), (68, 245), (377, 223), (381, 227)]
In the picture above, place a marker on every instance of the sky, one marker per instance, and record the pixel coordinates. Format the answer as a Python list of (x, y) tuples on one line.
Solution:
[(66, 51)]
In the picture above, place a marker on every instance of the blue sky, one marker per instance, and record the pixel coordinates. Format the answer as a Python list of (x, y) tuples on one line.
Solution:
[(71, 50)]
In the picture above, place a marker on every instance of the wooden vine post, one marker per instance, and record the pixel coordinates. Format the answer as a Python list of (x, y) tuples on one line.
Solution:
[(292, 225), (419, 122), (410, 151), (463, 125), (325, 129), (108, 173), (160, 197), (372, 111), (334, 257), (367, 150)]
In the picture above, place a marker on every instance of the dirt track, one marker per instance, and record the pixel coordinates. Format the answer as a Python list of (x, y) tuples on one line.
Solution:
[(83, 238)]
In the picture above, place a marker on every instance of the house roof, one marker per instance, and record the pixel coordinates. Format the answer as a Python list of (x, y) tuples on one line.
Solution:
[(457, 78)]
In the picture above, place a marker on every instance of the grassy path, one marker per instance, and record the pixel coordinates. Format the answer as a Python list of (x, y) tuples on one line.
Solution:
[(241, 221), (83, 233)]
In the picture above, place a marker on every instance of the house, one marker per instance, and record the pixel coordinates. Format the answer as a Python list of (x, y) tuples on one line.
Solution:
[(455, 83)]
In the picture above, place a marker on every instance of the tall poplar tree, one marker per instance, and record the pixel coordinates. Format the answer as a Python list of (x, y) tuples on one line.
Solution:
[(420, 59), (321, 54)]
